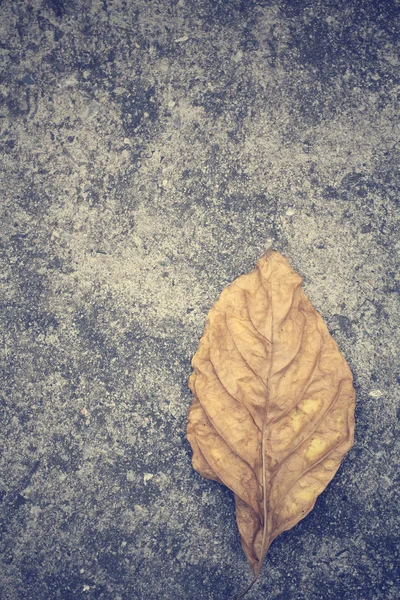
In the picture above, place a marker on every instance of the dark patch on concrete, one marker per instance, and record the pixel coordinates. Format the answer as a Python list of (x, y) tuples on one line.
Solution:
[(342, 324), (57, 6), (137, 106)]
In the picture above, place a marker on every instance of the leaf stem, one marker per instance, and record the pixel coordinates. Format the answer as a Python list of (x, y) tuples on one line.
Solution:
[(242, 595)]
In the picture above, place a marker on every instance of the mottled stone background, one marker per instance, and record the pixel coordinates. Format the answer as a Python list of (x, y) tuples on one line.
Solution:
[(151, 151)]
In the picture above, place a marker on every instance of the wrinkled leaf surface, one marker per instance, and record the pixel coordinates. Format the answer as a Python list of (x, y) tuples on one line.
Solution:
[(273, 409)]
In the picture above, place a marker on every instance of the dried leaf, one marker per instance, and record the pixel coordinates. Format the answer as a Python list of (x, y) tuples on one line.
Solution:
[(273, 409)]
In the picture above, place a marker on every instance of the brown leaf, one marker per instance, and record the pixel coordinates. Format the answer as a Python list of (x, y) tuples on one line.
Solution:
[(273, 409)]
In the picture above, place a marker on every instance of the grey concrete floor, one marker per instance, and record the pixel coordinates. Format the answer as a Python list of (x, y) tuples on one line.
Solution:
[(151, 151)]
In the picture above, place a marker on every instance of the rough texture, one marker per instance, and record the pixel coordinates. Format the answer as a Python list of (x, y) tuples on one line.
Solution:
[(273, 409), (139, 176)]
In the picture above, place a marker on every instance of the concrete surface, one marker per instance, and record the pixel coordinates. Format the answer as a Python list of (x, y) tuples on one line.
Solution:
[(151, 151)]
